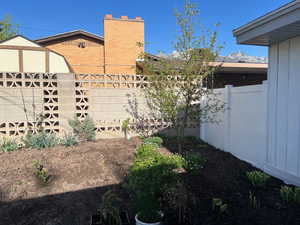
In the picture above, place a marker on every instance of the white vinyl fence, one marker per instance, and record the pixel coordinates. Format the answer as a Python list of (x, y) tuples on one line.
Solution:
[(243, 130)]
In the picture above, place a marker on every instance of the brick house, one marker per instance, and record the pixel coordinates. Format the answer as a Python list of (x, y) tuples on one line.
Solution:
[(115, 53)]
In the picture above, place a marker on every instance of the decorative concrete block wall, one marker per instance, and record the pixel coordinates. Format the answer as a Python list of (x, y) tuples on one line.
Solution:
[(108, 99)]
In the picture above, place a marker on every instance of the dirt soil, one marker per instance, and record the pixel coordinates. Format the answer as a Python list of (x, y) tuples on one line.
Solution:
[(224, 177), (81, 174)]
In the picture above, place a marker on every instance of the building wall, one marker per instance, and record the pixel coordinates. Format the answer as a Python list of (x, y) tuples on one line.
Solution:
[(31, 61), (283, 155), (222, 79), (19, 41), (9, 60), (121, 38), (89, 59)]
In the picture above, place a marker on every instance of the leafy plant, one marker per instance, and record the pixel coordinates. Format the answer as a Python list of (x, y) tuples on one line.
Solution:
[(40, 172), (218, 206), (126, 128), (151, 175), (155, 140), (258, 178), (40, 140), (175, 84), (193, 162), (109, 210), (148, 150), (253, 202), (290, 195), (69, 140), (84, 130), (8, 28), (9, 145)]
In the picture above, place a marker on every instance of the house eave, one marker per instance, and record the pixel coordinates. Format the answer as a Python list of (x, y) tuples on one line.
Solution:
[(276, 26), (61, 36)]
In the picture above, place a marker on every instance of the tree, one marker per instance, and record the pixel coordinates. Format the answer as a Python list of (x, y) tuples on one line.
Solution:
[(8, 28), (176, 88)]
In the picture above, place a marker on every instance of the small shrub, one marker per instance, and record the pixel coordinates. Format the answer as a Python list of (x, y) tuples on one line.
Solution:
[(152, 175), (253, 202), (154, 140), (40, 140), (84, 130), (9, 145), (290, 195), (297, 195), (69, 140), (147, 151), (109, 210), (258, 178), (180, 200), (194, 162), (218, 206), (125, 128), (40, 172)]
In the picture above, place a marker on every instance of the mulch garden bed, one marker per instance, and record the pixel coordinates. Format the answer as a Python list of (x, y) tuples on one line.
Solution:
[(81, 174)]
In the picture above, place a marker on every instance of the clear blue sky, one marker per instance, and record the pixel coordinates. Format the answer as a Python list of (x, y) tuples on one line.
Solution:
[(43, 18)]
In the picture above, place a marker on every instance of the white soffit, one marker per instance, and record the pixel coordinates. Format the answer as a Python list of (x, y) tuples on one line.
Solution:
[(276, 26)]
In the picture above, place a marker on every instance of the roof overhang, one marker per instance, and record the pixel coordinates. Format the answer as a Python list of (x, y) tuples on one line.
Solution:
[(276, 26), (61, 36), (256, 68)]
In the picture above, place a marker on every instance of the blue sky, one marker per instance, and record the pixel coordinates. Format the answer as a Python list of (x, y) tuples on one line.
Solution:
[(43, 18)]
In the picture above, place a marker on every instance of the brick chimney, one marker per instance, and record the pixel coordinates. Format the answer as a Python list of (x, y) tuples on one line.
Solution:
[(121, 48)]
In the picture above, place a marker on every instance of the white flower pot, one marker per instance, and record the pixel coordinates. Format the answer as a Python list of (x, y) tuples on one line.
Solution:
[(138, 222)]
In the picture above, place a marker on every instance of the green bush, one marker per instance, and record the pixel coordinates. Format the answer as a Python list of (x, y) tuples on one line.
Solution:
[(194, 162), (8, 145), (258, 178), (40, 140), (40, 172), (147, 151), (290, 195), (109, 211), (218, 206), (84, 130), (155, 140), (69, 140), (152, 175)]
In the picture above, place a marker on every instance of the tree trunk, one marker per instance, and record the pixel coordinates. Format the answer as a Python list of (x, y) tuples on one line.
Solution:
[(178, 138)]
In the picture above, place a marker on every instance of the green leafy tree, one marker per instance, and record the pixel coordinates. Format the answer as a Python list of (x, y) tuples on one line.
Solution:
[(176, 84), (8, 28)]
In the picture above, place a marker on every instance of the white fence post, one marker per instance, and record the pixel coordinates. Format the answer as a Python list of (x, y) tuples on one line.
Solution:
[(266, 93), (227, 119), (203, 126)]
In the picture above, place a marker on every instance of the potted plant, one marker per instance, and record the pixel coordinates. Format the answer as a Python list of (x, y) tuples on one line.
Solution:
[(149, 212), (150, 177)]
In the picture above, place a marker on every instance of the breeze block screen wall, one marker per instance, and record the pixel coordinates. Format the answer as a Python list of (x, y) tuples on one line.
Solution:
[(108, 99)]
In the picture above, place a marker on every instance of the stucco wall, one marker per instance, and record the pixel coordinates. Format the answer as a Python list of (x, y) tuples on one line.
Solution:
[(57, 64), (34, 61), (9, 60)]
